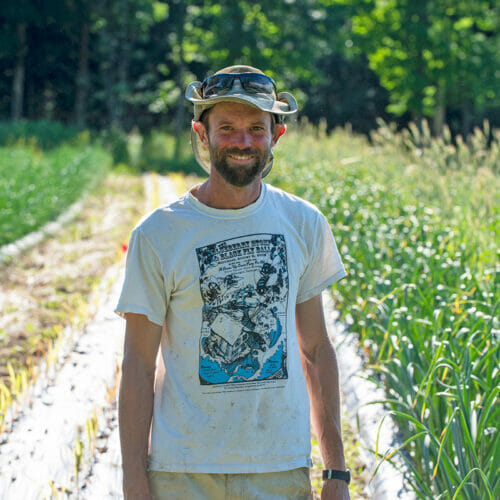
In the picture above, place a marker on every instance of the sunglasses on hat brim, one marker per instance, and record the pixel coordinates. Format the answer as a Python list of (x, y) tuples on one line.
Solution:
[(253, 83)]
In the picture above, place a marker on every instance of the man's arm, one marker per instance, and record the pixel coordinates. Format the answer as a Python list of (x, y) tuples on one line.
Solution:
[(320, 367), (135, 411)]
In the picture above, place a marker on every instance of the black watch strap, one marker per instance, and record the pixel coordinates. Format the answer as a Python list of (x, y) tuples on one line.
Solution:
[(344, 475)]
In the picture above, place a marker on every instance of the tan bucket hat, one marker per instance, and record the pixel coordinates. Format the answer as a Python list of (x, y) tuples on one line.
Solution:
[(282, 104)]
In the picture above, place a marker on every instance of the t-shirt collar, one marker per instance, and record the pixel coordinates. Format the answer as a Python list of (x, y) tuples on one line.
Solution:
[(227, 213)]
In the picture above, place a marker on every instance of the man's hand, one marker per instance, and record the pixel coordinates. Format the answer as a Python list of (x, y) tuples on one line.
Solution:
[(335, 489), (139, 490)]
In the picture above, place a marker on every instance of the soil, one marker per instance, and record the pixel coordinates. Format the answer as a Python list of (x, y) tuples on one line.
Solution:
[(48, 287)]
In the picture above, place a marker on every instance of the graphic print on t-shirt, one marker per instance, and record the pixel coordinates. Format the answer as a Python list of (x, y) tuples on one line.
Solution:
[(244, 287)]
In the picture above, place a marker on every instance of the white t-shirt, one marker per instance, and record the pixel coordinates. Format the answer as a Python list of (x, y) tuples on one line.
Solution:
[(230, 395)]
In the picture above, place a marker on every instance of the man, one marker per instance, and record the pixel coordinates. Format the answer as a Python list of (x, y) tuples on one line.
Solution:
[(233, 270)]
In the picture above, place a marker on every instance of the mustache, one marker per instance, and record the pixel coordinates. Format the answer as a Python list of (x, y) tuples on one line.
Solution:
[(238, 151)]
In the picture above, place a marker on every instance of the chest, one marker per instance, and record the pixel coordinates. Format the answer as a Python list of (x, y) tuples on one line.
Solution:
[(242, 270)]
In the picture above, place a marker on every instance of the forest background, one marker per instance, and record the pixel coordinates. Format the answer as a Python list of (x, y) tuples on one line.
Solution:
[(120, 64)]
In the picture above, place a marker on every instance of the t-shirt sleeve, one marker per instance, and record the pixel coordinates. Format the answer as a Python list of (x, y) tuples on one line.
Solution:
[(324, 266), (143, 290)]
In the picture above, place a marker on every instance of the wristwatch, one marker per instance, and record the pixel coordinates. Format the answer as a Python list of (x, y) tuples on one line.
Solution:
[(344, 475)]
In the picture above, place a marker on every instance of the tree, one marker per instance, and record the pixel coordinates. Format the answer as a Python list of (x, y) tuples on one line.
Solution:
[(14, 20), (82, 12), (125, 62), (431, 55)]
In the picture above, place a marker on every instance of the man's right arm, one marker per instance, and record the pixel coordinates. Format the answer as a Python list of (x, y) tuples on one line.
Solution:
[(142, 339)]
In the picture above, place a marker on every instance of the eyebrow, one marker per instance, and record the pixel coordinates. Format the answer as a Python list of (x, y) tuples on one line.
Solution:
[(229, 122)]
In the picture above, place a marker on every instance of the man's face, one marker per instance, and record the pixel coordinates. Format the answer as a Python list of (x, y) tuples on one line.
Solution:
[(240, 138)]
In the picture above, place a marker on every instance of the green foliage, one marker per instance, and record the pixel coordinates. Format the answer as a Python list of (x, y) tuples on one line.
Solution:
[(418, 234), (431, 55), (126, 63), (46, 134), (36, 186), (116, 141), (480, 155), (162, 152), (157, 151)]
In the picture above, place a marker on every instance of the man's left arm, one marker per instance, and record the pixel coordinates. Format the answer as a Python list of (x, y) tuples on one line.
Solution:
[(320, 367)]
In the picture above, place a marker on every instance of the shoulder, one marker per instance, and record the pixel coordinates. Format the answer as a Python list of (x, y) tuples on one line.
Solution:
[(162, 219), (292, 202)]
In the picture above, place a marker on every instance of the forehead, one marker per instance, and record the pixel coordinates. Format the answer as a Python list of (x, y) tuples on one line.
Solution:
[(235, 111)]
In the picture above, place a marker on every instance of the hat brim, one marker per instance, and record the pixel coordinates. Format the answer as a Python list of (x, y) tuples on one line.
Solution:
[(285, 104)]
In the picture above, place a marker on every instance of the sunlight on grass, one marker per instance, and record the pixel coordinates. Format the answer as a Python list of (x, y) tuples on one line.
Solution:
[(415, 220)]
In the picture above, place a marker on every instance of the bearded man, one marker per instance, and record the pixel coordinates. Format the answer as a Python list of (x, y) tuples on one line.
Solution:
[(227, 280)]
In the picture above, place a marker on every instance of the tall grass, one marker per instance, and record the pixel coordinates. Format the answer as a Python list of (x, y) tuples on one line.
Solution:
[(416, 224), (45, 133), (36, 185)]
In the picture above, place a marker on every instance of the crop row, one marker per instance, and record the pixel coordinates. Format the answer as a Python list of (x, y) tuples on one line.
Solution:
[(36, 186), (419, 242)]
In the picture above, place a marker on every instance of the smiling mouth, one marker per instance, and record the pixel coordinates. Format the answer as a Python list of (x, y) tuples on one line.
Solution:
[(241, 157)]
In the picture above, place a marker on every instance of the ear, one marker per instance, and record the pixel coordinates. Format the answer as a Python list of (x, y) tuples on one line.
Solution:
[(200, 129), (279, 130)]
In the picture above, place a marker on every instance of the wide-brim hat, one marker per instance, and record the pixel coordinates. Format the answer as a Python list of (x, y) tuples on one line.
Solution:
[(282, 104)]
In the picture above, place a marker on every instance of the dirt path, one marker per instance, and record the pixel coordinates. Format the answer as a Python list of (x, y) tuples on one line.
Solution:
[(50, 286), (38, 455), (63, 442)]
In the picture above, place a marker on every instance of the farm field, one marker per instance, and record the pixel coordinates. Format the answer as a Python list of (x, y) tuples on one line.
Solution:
[(415, 220), (51, 286), (43, 169), (96, 105)]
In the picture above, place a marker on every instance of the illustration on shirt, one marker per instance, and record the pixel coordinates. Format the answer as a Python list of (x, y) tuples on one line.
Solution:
[(244, 287)]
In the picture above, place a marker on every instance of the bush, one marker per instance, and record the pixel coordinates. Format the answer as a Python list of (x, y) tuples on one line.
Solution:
[(164, 153), (44, 133), (116, 141)]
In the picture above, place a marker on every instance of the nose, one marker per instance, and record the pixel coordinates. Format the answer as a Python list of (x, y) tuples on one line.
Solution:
[(242, 139)]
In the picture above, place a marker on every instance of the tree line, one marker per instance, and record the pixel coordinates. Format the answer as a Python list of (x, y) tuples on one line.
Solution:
[(125, 63)]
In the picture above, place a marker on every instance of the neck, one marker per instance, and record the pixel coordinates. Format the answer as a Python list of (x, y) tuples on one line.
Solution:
[(218, 193)]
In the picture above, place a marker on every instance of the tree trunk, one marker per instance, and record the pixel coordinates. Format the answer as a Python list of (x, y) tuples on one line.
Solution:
[(115, 38), (466, 118), (440, 113), (19, 73), (108, 75), (179, 80), (179, 113), (123, 65), (107, 58), (82, 79)]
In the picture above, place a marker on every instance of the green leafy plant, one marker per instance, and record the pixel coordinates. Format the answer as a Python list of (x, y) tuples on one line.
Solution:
[(415, 219), (37, 186), (46, 134), (77, 457)]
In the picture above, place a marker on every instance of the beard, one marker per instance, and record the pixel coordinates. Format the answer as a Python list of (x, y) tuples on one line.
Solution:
[(239, 175)]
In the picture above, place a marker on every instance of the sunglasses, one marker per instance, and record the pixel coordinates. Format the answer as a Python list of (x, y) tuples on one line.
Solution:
[(253, 83)]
